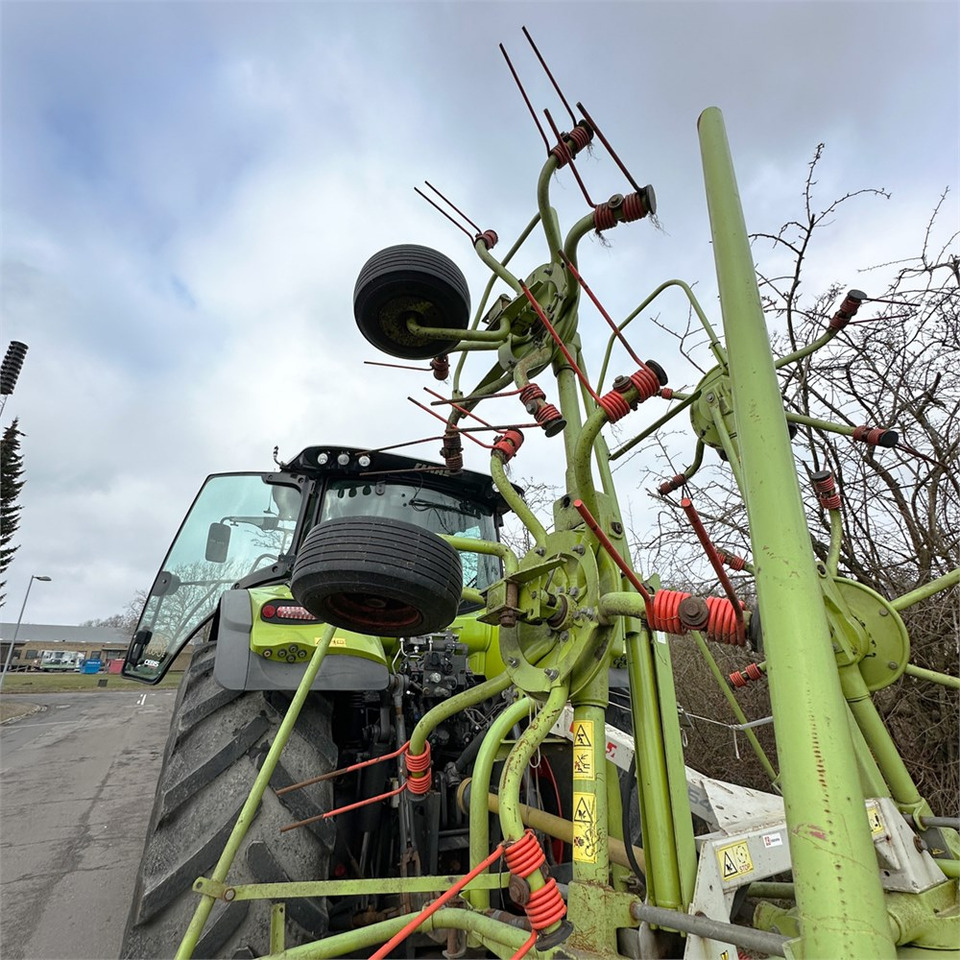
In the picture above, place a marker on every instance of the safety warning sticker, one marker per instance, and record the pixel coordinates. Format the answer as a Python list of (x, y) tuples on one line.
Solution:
[(877, 827), (585, 839), (735, 860), (583, 767)]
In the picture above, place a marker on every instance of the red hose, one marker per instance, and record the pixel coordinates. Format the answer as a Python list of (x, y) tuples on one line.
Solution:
[(432, 908)]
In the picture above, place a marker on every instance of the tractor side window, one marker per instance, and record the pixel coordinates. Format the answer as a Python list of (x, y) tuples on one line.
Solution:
[(237, 525)]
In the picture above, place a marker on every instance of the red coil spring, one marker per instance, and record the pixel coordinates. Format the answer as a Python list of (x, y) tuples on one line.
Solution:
[(646, 382), (508, 444), (722, 625), (564, 152), (545, 906), (732, 560), (634, 208), (524, 855), (529, 396), (666, 393), (614, 405), (826, 489), (440, 367), (675, 483), (848, 309), (665, 611), (452, 451), (418, 764), (740, 678), (489, 238), (603, 217), (876, 436), (547, 414)]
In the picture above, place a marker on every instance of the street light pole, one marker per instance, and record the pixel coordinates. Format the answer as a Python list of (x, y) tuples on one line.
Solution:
[(16, 629)]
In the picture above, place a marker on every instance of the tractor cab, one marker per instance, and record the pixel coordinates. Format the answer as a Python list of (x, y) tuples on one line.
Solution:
[(234, 554)]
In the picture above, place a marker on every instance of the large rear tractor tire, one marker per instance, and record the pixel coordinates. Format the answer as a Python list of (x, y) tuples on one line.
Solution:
[(218, 741)]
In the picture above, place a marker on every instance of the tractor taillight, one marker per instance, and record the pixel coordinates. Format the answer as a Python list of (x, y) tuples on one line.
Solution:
[(286, 612)]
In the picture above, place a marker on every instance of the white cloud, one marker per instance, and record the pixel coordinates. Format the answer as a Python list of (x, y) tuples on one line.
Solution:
[(190, 190)]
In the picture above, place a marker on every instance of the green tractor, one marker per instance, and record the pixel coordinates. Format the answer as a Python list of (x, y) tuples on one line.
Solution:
[(354, 537)]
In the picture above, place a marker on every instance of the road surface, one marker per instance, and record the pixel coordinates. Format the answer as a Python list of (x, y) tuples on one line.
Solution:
[(76, 788)]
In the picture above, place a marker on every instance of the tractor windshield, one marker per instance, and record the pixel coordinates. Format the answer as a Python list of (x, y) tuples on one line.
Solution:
[(438, 512), (238, 524)]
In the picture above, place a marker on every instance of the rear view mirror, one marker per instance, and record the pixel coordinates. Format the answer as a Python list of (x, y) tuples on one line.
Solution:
[(218, 543)]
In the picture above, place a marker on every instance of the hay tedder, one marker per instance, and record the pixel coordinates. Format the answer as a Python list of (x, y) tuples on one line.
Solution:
[(397, 736)]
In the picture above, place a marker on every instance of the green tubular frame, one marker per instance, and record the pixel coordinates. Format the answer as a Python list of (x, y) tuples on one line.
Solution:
[(835, 868), (832, 748)]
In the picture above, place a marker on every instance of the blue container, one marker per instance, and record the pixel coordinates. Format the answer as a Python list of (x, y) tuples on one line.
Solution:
[(91, 666)]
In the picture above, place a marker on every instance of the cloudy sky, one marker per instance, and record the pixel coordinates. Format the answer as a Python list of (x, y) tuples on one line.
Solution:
[(189, 190)]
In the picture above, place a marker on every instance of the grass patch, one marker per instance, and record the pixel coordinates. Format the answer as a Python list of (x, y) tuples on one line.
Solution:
[(78, 682)]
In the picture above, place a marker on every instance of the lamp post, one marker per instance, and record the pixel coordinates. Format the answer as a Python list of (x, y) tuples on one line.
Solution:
[(16, 629)]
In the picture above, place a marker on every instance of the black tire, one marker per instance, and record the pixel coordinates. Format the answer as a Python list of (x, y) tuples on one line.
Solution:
[(410, 282), (218, 741), (378, 576)]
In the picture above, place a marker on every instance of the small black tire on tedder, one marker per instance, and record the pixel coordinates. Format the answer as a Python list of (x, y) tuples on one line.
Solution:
[(379, 576), (410, 282)]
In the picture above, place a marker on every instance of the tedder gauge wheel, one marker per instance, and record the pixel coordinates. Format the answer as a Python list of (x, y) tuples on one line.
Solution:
[(410, 282), (218, 740), (378, 575)]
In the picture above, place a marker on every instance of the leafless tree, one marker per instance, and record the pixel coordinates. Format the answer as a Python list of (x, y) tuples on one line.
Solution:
[(894, 366)]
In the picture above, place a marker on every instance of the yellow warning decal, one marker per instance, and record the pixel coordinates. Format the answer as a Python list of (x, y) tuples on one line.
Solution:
[(735, 860), (877, 827), (336, 641), (583, 767), (585, 839)]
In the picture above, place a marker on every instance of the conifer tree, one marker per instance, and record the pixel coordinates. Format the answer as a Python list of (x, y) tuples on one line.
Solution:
[(11, 471)]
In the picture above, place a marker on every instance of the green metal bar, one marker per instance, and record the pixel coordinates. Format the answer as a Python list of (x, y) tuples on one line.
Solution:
[(503, 938), (735, 706), (835, 868), (836, 538), (928, 590), (278, 920), (902, 787), (519, 759), (497, 267), (447, 708), (679, 793), (516, 502), (451, 333), (653, 786), (249, 811), (482, 772), (346, 888), (655, 426), (514, 767), (548, 216), (489, 547), (827, 425), (921, 673), (715, 345), (812, 347), (486, 294), (567, 384), (871, 779), (729, 447)]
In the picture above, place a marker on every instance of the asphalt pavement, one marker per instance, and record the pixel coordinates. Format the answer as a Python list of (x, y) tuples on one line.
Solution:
[(77, 781)]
